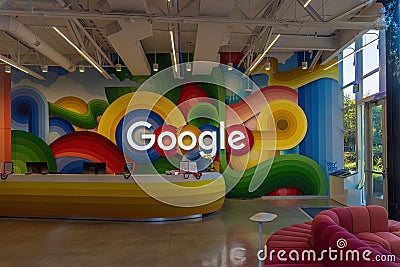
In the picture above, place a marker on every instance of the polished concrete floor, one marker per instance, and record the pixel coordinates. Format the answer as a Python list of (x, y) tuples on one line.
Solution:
[(227, 238)]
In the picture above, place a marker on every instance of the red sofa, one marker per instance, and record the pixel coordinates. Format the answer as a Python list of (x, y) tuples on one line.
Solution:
[(351, 231)]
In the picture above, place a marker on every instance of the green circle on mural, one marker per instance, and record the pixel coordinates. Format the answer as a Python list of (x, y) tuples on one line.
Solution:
[(203, 113)]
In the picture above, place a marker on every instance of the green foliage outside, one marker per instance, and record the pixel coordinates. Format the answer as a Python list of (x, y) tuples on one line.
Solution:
[(350, 133), (350, 140)]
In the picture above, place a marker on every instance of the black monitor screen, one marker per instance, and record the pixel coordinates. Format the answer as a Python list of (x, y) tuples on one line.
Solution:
[(94, 168), (37, 167)]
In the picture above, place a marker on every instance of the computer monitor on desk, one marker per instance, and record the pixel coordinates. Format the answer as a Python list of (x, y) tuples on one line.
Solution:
[(37, 168), (94, 168)]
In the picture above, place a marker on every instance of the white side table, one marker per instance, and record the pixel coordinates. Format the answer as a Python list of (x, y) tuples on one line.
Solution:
[(262, 218)]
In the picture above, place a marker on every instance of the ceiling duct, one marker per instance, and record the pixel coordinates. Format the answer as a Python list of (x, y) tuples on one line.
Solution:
[(22, 33), (210, 36), (125, 35)]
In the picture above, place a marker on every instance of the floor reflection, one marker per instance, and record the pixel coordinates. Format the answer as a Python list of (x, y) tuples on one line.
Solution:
[(227, 238)]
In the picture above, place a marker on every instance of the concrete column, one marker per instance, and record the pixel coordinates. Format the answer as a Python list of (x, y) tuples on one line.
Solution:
[(5, 115)]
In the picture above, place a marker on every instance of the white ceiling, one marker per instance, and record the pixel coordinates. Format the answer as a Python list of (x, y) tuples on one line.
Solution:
[(242, 21)]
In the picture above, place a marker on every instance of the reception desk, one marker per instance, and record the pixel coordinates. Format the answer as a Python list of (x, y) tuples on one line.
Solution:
[(110, 196)]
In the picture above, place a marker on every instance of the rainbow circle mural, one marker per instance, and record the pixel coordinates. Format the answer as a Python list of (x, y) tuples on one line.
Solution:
[(96, 130), (289, 121), (121, 132), (30, 111), (27, 147), (90, 146)]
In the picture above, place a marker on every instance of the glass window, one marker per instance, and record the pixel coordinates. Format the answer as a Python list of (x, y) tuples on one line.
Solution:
[(350, 129), (371, 85), (349, 70), (370, 52)]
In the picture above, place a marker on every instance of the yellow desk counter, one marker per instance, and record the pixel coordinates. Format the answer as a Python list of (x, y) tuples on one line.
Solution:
[(109, 196)]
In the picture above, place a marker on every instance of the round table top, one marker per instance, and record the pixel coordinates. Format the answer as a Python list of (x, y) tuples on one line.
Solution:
[(263, 217)]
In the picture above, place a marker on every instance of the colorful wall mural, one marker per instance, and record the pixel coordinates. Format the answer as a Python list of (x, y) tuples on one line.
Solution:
[(74, 118)]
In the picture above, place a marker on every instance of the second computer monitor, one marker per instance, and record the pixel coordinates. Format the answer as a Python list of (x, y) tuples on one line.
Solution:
[(94, 168), (37, 168)]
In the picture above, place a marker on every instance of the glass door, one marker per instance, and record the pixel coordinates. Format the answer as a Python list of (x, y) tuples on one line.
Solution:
[(375, 153)]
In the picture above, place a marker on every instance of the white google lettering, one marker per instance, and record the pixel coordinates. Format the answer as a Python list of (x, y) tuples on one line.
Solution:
[(192, 137), (161, 143), (234, 139), (143, 136), (212, 146)]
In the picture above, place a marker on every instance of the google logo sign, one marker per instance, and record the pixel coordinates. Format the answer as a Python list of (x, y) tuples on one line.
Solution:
[(238, 137)]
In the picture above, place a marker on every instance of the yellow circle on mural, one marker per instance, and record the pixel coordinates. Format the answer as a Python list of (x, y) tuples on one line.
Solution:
[(187, 140), (139, 100), (289, 121)]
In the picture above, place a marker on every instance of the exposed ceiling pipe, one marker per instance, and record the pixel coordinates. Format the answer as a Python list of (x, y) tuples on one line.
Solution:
[(337, 25), (22, 33)]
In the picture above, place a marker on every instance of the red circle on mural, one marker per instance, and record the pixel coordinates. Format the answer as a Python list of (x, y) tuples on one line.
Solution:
[(166, 141), (248, 140)]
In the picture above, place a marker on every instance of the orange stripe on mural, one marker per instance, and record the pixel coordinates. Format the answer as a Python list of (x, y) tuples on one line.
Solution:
[(252, 105), (5, 115), (91, 146)]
